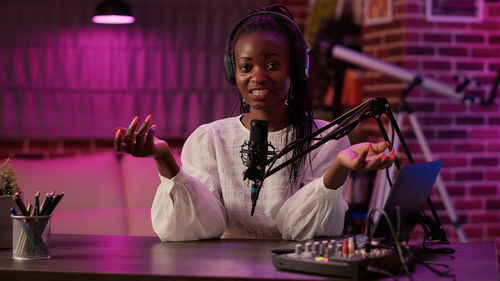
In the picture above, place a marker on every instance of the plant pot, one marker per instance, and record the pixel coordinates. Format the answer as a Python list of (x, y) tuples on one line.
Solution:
[(6, 203)]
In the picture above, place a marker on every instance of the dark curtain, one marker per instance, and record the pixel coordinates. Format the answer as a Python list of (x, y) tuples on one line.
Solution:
[(63, 76)]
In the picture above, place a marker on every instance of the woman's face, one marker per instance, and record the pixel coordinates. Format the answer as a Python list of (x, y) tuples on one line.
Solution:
[(263, 70)]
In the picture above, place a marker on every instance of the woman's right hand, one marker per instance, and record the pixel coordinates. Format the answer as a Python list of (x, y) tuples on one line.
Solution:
[(142, 143)]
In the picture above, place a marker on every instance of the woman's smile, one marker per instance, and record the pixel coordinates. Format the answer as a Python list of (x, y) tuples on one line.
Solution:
[(260, 94)]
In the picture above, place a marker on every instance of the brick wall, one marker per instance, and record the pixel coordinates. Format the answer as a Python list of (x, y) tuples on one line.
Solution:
[(57, 147), (465, 137), (50, 148)]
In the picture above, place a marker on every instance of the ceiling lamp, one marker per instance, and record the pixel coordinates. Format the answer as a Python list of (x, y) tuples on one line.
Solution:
[(113, 12)]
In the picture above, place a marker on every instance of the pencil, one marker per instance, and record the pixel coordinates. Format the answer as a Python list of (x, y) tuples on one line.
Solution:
[(37, 203), (31, 209), (54, 203), (20, 203), (46, 204)]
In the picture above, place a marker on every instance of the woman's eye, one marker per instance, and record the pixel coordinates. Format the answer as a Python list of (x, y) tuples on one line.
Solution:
[(244, 68), (273, 65)]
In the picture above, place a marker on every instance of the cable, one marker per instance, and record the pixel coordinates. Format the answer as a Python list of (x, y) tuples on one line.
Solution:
[(380, 271), (388, 176), (391, 146), (431, 266), (394, 237), (442, 251), (398, 224), (425, 225)]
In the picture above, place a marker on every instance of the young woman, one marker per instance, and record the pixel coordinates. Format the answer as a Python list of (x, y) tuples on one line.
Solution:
[(266, 58)]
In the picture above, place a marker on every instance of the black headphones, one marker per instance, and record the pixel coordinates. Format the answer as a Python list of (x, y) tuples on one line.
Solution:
[(299, 53)]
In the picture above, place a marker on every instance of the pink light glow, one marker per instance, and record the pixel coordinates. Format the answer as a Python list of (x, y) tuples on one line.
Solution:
[(113, 19)]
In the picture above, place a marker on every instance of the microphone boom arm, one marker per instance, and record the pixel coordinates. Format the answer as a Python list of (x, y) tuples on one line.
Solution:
[(373, 108)]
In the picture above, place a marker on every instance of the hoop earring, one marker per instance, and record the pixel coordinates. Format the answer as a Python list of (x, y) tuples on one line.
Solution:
[(244, 102), (289, 96)]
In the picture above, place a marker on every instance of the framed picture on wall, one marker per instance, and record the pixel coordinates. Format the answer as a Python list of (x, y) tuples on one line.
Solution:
[(454, 10), (377, 11)]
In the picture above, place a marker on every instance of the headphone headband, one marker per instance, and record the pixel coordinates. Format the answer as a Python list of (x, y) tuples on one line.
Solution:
[(299, 53)]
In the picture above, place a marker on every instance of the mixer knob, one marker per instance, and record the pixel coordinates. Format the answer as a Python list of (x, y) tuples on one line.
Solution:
[(315, 249), (308, 247), (308, 250), (322, 247), (329, 251), (298, 249)]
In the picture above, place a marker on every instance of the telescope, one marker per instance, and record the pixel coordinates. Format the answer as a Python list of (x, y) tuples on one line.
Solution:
[(397, 72)]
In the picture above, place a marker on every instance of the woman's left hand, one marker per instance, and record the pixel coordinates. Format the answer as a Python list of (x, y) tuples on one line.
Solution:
[(366, 156), (359, 157)]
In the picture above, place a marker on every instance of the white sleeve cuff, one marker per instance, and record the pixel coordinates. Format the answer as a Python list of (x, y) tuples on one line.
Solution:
[(327, 193), (168, 184)]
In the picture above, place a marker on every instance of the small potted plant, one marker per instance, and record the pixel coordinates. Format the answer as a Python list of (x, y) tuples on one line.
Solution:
[(8, 186)]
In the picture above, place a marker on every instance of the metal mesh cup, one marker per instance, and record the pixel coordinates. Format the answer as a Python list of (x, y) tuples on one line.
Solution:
[(30, 237)]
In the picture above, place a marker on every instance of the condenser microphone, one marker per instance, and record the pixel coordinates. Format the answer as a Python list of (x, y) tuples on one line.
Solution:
[(257, 151), (254, 155)]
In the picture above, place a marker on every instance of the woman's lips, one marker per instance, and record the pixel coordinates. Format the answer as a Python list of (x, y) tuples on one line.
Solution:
[(259, 94)]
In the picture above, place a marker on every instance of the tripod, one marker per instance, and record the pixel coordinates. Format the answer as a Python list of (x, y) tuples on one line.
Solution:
[(381, 188)]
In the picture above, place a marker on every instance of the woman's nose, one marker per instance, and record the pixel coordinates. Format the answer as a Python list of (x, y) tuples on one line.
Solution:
[(258, 75)]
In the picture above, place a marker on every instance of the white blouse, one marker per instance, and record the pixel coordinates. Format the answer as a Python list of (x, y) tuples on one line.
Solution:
[(208, 197)]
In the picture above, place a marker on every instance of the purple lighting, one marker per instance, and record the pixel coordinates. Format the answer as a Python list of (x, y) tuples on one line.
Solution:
[(113, 19)]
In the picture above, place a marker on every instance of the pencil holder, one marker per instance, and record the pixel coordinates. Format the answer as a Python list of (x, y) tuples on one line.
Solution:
[(30, 237)]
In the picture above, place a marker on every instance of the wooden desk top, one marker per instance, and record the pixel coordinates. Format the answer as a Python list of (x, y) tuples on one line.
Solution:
[(98, 257)]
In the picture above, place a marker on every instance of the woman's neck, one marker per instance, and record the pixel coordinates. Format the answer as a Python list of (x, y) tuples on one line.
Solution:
[(276, 122)]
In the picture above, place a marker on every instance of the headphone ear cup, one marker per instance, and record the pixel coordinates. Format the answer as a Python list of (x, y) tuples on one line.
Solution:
[(229, 67)]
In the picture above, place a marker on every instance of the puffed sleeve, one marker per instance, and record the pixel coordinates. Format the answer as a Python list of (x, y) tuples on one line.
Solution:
[(188, 206), (315, 210)]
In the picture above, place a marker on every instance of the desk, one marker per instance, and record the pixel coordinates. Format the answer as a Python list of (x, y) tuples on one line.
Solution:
[(104, 258)]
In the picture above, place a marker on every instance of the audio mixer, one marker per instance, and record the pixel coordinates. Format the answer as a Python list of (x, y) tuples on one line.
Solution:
[(339, 258)]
